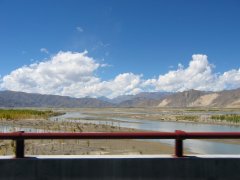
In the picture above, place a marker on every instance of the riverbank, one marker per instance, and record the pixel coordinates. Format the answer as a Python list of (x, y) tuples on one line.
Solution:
[(79, 147), (186, 115), (140, 116), (126, 120), (20, 114)]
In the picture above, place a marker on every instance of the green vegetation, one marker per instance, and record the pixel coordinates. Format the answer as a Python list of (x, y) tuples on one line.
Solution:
[(196, 110), (17, 114), (227, 117), (187, 117), (202, 110)]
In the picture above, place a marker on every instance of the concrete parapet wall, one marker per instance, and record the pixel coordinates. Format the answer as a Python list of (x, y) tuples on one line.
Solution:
[(120, 168)]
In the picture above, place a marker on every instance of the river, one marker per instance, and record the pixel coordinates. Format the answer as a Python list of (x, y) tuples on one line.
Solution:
[(196, 146)]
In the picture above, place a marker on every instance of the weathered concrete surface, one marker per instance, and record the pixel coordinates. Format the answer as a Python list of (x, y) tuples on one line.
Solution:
[(120, 168)]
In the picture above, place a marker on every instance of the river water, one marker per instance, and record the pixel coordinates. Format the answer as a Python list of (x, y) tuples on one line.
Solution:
[(196, 146)]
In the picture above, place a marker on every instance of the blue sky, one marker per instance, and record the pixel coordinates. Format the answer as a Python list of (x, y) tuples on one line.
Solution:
[(148, 38)]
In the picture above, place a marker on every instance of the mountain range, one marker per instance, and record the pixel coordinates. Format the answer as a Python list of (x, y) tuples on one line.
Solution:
[(21, 99), (190, 98), (194, 98)]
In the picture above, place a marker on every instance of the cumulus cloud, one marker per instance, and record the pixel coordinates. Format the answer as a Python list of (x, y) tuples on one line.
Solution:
[(69, 73), (198, 75), (126, 83), (44, 50), (52, 76), (75, 74)]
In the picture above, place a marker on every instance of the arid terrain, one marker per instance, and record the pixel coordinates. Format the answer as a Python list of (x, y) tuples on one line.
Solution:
[(78, 147), (108, 120)]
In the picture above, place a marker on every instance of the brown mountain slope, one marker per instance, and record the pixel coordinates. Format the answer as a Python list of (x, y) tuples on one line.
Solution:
[(21, 99), (230, 98), (182, 99), (193, 98)]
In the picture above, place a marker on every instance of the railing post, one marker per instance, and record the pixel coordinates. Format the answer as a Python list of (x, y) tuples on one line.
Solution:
[(20, 147), (178, 148), (179, 144)]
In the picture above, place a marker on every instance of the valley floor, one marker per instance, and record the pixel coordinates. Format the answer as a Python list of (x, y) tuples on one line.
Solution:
[(107, 121), (78, 147)]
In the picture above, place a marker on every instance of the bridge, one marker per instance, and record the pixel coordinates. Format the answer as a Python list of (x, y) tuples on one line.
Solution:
[(176, 166)]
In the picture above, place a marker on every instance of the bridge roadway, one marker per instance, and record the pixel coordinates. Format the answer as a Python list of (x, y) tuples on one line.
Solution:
[(127, 167)]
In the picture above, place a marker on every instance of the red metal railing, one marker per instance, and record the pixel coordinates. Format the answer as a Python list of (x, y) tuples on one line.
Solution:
[(178, 135)]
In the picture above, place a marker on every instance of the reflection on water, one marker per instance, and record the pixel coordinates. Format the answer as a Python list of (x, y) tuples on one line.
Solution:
[(197, 146), (206, 147)]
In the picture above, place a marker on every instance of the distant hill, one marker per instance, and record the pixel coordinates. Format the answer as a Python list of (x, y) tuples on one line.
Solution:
[(144, 99), (21, 99), (194, 98), (141, 96), (230, 98), (122, 98), (153, 95), (191, 98)]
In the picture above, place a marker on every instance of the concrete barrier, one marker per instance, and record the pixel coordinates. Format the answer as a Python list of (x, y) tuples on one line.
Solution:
[(107, 168)]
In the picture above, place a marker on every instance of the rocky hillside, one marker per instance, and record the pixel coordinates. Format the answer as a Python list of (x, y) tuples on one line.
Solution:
[(139, 102), (21, 99), (144, 99), (194, 98), (191, 98)]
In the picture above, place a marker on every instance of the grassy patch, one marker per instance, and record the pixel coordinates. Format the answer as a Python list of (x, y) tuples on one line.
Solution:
[(17, 114), (202, 110), (196, 110), (227, 117), (187, 117)]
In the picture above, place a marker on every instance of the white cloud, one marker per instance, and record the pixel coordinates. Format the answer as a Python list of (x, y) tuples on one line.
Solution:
[(79, 29), (52, 76), (44, 50), (71, 74), (230, 79), (126, 83), (198, 75), (74, 74)]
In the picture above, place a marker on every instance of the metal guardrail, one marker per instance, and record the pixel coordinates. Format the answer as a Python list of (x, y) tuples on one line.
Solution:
[(178, 135)]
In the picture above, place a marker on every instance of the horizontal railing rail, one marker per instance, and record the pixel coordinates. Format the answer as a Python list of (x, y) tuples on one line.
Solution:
[(178, 135)]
